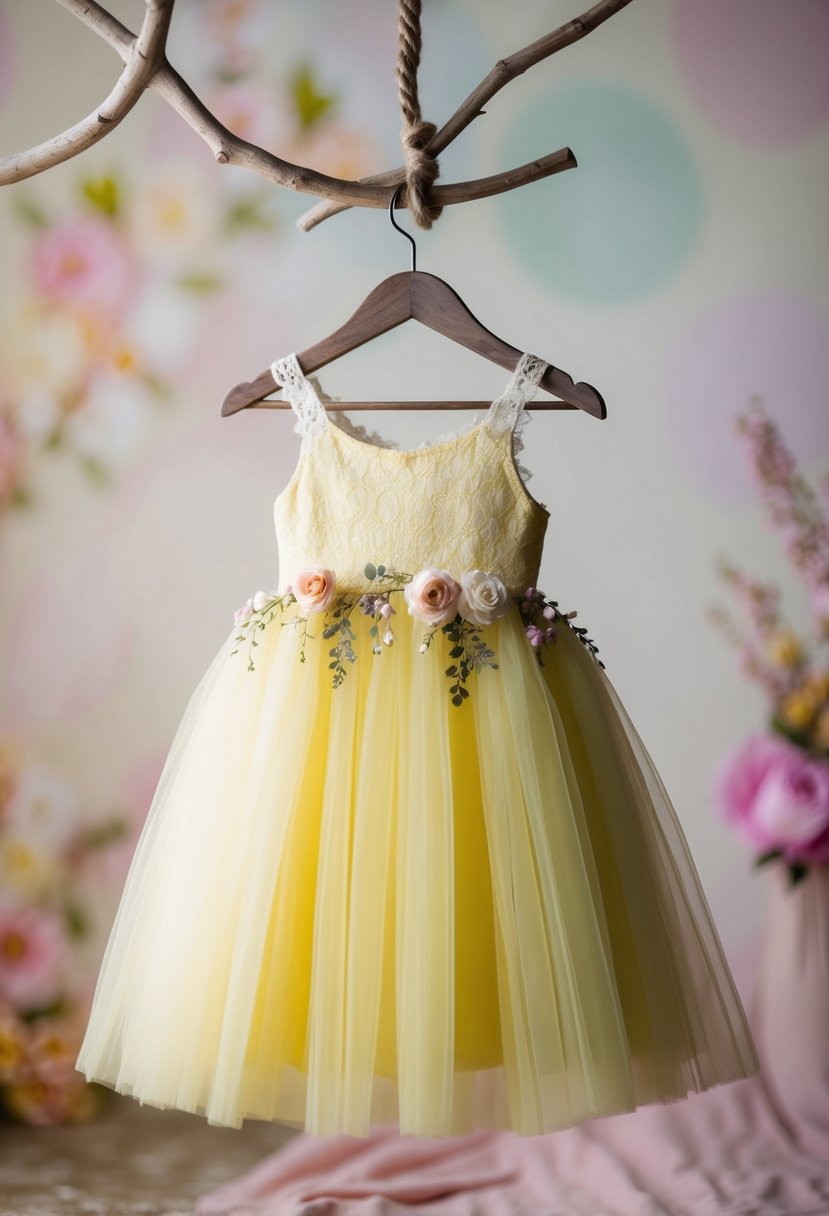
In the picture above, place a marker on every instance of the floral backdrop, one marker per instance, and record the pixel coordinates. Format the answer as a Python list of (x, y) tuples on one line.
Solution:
[(681, 268)]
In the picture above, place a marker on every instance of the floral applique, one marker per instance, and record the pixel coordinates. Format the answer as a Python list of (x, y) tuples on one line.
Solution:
[(459, 608)]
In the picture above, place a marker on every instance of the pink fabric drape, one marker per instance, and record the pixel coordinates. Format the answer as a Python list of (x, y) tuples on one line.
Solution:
[(757, 1146)]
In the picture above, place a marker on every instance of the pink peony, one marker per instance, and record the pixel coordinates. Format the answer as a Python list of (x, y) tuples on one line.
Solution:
[(314, 588), (776, 797), (432, 595), (32, 947), (84, 263)]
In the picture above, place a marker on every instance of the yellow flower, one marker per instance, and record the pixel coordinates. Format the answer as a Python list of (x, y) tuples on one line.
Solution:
[(784, 648), (11, 1049), (28, 870), (816, 686), (797, 709), (125, 358)]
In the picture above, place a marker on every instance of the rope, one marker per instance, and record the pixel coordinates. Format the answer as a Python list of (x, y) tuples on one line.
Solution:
[(421, 167)]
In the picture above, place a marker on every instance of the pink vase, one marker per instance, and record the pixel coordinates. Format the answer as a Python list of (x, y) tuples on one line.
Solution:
[(791, 1015)]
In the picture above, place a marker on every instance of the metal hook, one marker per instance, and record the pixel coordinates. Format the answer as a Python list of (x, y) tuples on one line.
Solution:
[(397, 226)]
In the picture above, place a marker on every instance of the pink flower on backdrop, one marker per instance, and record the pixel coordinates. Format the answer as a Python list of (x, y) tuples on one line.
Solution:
[(32, 954), (53, 1046), (245, 110), (776, 797), (86, 264)]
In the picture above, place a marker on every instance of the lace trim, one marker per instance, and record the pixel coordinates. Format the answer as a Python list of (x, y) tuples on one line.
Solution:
[(311, 418), (507, 412)]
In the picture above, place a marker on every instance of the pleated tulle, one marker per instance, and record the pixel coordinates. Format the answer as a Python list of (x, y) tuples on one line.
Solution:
[(365, 904)]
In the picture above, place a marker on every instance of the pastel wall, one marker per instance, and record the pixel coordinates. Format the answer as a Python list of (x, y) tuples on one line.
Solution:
[(680, 268)]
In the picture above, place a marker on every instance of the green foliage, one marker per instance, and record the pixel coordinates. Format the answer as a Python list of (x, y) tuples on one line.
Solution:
[(103, 193), (76, 919), (797, 872), (310, 102), (102, 834), (250, 213), (770, 855), (95, 471), (27, 210), (201, 282)]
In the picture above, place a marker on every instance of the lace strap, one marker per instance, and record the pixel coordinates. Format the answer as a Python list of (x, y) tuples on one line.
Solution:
[(507, 412), (311, 418), (523, 385)]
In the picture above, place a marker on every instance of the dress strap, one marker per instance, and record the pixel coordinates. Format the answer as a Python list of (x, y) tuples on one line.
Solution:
[(505, 411), (311, 417)]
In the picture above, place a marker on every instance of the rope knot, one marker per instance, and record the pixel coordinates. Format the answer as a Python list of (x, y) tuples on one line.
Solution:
[(422, 170), (421, 166)]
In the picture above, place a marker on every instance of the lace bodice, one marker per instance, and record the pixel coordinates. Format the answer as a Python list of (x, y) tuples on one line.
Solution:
[(309, 404), (457, 502)]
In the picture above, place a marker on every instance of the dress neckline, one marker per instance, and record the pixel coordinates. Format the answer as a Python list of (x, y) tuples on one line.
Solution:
[(404, 453)]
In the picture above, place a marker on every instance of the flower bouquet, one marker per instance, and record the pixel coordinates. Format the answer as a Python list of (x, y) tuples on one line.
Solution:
[(774, 787), (44, 847)]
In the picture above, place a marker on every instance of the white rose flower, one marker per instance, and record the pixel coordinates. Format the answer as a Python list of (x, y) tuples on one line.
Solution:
[(260, 600), (483, 597)]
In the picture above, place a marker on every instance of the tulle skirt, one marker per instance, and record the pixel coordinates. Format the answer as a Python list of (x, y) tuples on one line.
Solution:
[(365, 904)]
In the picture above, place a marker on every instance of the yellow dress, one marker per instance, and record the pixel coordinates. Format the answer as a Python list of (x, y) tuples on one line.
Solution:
[(362, 895)]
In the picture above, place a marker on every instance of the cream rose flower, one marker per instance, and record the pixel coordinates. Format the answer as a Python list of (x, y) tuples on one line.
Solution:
[(483, 597), (432, 595), (314, 588)]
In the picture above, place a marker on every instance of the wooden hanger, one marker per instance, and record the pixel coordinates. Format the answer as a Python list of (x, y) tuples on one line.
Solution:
[(415, 295)]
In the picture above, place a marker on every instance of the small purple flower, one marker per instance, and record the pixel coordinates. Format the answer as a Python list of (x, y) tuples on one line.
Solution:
[(386, 609), (549, 612), (529, 594)]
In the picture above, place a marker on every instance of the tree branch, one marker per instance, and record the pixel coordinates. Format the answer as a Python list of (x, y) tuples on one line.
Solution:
[(501, 74), (146, 66), (142, 57)]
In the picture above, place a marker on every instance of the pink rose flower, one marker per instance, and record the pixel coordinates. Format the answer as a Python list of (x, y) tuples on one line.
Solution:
[(776, 797), (83, 262), (432, 595), (32, 948), (314, 588)]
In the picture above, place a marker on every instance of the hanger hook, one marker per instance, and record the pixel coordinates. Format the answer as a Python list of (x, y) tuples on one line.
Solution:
[(397, 226)]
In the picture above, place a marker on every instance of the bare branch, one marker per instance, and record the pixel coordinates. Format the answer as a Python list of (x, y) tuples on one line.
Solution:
[(147, 67), (141, 60), (502, 73)]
